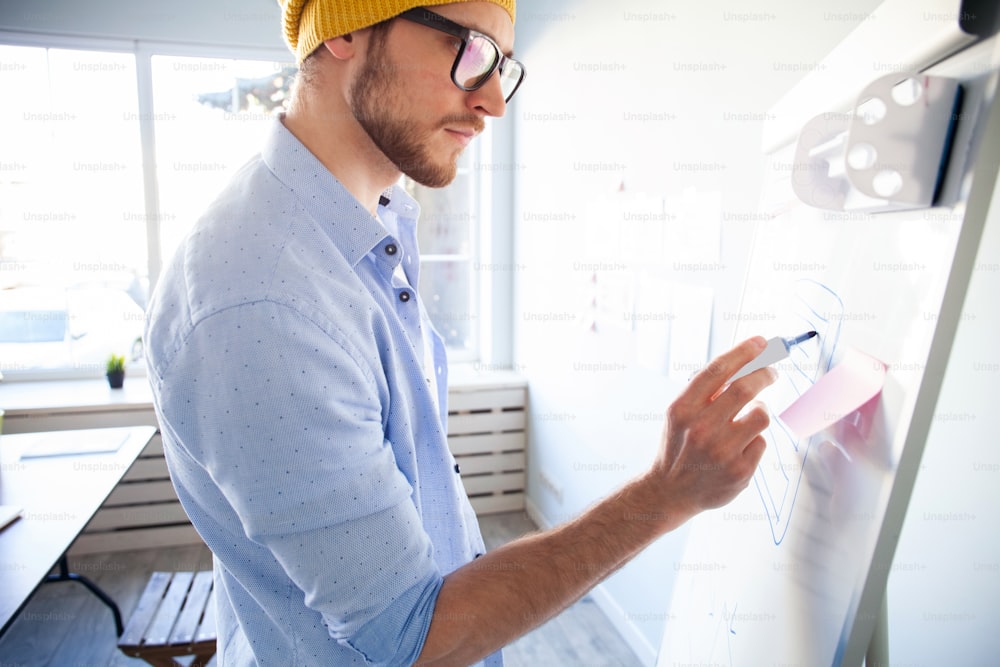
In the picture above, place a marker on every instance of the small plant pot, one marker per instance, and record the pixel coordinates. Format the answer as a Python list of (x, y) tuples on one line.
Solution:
[(117, 379)]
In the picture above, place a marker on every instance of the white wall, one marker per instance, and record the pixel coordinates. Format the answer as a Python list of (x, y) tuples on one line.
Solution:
[(661, 98), (944, 582)]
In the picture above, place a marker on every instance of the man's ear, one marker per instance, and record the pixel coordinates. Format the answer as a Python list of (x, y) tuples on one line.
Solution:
[(342, 47)]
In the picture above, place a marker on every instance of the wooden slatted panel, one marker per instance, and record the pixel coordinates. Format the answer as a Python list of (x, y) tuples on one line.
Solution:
[(154, 448), (136, 538), (486, 434), (141, 492), (485, 399), (186, 628), (142, 616), (148, 468), (206, 631), (118, 518), (159, 630), (488, 464), (493, 484), (175, 617), (486, 422), (487, 443), (142, 512), (71, 420), (508, 502)]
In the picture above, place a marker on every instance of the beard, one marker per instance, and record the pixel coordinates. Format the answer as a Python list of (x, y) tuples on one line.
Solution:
[(401, 140)]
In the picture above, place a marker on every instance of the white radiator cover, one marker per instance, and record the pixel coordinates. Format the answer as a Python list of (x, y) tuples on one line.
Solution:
[(486, 425)]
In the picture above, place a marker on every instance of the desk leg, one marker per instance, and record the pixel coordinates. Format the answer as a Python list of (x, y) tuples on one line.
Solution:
[(66, 575)]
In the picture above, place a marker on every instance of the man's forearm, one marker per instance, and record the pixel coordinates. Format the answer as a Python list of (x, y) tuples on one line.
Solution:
[(506, 593), (708, 453)]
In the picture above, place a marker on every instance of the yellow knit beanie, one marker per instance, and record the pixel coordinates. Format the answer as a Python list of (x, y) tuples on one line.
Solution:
[(308, 23)]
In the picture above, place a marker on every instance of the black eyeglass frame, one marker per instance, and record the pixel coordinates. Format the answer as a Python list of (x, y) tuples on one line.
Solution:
[(438, 22)]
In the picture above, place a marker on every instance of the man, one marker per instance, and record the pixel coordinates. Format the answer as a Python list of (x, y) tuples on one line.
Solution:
[(302, 391)]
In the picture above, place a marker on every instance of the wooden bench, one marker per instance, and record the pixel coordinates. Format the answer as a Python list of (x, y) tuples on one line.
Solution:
[(175, 617)]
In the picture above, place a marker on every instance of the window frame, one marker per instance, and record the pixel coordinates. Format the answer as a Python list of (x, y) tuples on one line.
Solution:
[(143, 52), (480, 214)]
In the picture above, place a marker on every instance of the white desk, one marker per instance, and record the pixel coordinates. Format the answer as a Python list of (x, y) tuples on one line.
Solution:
[(58, 496)]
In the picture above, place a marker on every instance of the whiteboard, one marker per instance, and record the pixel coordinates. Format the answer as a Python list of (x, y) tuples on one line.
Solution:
[(793, 571)]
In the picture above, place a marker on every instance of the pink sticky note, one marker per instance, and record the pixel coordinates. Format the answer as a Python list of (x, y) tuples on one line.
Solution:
[(854, 381)]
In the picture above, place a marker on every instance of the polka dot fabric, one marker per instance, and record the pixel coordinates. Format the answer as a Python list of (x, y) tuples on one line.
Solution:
[(288, 372)]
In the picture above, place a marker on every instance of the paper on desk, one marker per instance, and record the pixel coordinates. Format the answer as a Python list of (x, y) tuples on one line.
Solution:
[(96, 441), (854, 381)]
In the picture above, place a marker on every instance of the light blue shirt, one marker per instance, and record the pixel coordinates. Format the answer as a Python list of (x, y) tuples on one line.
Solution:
[(286, 355)]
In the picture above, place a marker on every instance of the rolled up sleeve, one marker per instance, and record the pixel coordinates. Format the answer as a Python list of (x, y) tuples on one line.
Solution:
[(276, 407)]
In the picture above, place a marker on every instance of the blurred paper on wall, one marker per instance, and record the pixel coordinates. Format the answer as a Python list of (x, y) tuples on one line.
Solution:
[(690, 329), (694, 231), (673, 325), (651, 320)]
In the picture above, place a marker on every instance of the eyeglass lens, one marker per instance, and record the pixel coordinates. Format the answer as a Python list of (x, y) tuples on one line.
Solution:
[(510, 77), (477, 62)]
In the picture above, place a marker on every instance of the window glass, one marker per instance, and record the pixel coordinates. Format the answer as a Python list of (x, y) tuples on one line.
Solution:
[(73, 283), (211, 116), (447, 235), (75, 226), (445, 288)]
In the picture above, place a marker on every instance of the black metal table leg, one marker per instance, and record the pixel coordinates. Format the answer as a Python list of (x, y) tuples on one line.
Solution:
[(66, 575)]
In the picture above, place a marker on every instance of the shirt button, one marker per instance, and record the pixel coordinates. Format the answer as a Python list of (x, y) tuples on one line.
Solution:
[(390, 249), (404, 296), (457, 469)]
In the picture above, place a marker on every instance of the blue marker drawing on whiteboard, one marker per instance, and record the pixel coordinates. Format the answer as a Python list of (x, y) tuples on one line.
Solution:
[(816, 307), (778, 348)]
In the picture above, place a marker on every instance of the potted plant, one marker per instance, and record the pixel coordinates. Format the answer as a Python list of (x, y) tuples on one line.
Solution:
[(116, 371)]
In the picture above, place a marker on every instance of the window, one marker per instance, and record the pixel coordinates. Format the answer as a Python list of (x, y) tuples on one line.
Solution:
[(75, 219), (73, 257), (211, 116), (85, 228), (449, 235)]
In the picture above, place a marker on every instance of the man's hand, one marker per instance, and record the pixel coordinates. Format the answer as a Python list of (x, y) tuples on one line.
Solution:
[(710, 445), (708, 455)]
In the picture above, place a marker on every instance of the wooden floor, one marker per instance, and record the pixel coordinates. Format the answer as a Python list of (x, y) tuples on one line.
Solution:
[(65, 626)]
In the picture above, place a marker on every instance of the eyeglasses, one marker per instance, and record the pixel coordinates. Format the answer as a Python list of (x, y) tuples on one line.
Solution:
[(478, 56)]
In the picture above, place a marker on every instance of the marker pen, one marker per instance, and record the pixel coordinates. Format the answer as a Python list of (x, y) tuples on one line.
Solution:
[(778, 348)]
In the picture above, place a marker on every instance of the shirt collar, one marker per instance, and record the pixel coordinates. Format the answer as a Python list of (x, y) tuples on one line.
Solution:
[(352, 228)]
